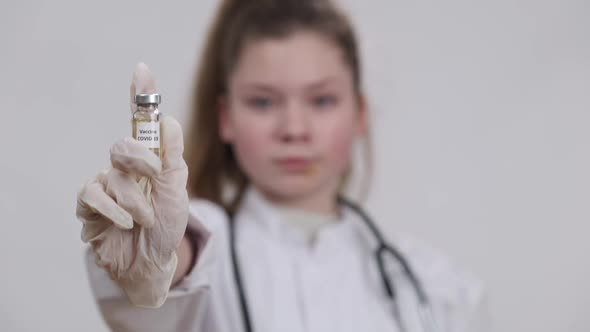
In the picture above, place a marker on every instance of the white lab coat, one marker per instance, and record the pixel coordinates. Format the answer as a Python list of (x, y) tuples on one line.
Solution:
[(292, 287)]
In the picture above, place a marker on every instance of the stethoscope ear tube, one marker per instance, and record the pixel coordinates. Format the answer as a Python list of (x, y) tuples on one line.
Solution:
[(384, 248), (238, 277), (389, 290), (424, 307)]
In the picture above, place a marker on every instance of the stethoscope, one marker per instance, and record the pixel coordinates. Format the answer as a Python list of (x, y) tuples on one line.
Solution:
[(383, 249)]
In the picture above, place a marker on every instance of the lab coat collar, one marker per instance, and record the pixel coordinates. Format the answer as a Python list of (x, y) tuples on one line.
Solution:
[(259, 210), (346, 237), (268, 217)]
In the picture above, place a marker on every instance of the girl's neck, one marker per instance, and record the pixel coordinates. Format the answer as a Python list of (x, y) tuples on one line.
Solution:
[(320, 202)]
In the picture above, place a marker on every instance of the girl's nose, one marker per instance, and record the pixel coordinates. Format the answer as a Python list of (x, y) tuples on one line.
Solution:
[(294, 125)]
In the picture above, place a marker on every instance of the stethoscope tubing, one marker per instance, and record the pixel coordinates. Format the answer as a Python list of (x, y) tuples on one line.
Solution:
[(383, 249)]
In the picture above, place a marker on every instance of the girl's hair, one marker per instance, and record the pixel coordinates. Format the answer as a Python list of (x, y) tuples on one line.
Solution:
[(212, 163)]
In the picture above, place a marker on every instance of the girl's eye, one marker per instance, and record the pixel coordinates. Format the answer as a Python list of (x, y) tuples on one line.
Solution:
[(260, 103), (324, 101)]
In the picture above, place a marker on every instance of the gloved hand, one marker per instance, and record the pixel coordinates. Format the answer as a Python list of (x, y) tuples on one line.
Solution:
[(135, 213)]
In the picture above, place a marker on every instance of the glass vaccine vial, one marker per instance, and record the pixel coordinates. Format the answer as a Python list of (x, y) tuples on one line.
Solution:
[(146, 122)]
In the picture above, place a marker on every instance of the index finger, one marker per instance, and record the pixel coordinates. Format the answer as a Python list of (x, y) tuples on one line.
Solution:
[(173, 144), (143, 82)]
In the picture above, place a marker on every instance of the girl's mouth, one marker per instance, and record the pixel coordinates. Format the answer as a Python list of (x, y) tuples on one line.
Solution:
[(295, 164)]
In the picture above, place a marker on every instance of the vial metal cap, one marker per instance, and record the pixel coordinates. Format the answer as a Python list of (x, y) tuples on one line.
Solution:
[(147, 99)]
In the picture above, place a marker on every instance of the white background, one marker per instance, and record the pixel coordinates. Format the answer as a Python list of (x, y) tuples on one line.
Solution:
[(481, 113)]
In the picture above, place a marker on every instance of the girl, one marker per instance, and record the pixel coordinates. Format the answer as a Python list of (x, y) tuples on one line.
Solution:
[(271, 244)]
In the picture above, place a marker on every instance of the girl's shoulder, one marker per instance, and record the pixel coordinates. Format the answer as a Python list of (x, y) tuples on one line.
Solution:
[(208, 214), (209, 220)]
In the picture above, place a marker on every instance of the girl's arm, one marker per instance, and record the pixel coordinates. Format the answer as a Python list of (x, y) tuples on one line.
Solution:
[(186, 254)]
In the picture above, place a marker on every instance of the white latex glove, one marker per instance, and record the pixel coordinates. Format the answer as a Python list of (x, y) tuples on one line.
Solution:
[(135, 213)]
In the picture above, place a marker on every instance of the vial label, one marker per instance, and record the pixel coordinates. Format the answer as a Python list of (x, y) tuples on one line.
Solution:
[(148, 134)]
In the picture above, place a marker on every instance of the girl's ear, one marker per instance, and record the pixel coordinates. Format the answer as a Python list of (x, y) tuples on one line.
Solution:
[(362, 127), (226, 130)]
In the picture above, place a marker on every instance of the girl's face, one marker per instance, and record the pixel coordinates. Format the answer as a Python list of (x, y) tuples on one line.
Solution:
[(292, 114)]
